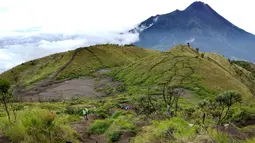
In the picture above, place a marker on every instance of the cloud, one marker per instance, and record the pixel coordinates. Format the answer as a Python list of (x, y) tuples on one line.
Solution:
[(191, 40), (19, 49)]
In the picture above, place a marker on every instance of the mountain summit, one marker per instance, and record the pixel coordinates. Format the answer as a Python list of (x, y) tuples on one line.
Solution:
[(199, 25)]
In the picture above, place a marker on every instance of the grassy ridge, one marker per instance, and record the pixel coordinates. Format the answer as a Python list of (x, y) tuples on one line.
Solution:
[(85, 62), (102, 56), (183, 66)]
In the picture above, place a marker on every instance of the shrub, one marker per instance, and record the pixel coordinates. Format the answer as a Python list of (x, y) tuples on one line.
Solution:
[(158, 129), (118, 126), (219, 136), (202, 55), (113, 136), (38, 125), (197, 50), (99, 126), (32, 63), (250, 140), (121, 88), (188, 112), (116, 115)]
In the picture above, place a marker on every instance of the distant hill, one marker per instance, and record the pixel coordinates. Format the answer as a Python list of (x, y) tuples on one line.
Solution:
[(199, 25), (205, 74)]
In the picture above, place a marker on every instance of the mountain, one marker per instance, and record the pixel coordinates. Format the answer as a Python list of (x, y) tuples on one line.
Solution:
[(139, 66), (199, 25), (106, 78)]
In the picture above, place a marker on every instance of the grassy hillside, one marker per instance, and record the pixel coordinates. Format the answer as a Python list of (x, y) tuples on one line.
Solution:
[(85, 62), (135, 109), (185, 67), (205, 74)]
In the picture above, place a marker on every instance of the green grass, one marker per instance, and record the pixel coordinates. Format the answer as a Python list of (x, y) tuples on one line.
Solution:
[(156, 131), (220, 137), (120, 125), (142, 72), (180, 66), (28, 74), (86, 62), (39, 125), (142, 67), (112, 127), (100, 126)]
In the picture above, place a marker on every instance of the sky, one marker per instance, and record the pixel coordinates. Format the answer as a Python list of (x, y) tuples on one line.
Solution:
[(34, 28)]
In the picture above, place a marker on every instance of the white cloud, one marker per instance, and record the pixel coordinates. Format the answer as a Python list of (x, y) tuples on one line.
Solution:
[(35, 28), (191, 40), (19, 50)]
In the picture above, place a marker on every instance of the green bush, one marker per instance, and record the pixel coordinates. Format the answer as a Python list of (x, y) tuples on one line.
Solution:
[(101, 113), (120, 125), (121, 88), (219, 136), (73, 111), (202, 55), (197, 50), (100, 126), (116, 115), (38, 125), (188, 112), (113, 136), (250, 140), (157, 131)]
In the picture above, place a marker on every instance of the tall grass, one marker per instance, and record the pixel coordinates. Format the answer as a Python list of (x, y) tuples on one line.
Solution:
[(157, 131), (39, 125)]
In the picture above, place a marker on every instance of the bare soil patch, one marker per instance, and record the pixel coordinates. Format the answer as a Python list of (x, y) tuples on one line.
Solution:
[(4, 139), (83, 87)]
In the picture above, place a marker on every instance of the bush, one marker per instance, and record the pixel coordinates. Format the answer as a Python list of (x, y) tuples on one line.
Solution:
[(118, 126), (116, 115), (121, 88), (38, 125), (219, 136), (99, 126), (188, 112), (158, 129), (113, 136), (73, 111), (202, 55), (197, 50)]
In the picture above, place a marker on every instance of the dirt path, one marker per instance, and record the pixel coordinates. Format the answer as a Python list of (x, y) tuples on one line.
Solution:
[(66, 65), (82, 126)]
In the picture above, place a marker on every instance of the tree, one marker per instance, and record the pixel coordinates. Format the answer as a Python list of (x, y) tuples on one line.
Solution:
[(15, 108), (4, 95), (225, 101), (171, 98), (147, 103)]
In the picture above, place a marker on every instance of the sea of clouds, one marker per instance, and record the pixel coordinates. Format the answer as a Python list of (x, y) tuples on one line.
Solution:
[(21, 46)]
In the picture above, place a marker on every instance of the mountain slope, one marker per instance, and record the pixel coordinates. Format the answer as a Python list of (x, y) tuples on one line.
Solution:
[(133, 108), (200, 25), (138, 68), (85, 62), (183, 66)]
